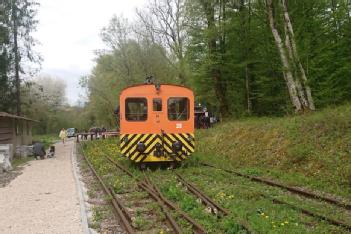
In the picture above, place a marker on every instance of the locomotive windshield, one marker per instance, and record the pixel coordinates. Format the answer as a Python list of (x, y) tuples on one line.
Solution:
[(136, 109), (178, 108)]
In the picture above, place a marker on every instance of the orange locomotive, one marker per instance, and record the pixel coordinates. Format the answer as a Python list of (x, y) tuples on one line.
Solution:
[(157, 123)]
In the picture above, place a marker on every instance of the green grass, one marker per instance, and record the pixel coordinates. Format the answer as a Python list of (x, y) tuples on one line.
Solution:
[(47, 139), (20, 161), (313, 150)]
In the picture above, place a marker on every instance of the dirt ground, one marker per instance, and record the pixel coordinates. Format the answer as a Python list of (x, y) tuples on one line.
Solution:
[(6, 178), (42, 196)]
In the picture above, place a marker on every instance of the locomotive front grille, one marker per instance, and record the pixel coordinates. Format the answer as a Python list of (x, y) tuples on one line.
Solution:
[(156, 143)]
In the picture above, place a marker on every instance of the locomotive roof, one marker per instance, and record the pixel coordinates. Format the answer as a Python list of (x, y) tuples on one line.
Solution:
[(139, 85)]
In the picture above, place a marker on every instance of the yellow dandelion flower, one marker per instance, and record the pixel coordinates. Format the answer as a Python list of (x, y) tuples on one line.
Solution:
[(266, 216), (286, 222), (274, 226), (282, 224), (262, 214)]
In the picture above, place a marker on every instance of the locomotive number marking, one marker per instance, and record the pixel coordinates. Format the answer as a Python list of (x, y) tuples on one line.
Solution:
[(179, 125)]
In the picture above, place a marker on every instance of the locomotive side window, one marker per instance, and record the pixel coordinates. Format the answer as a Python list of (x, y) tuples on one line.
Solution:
[(136, 109), (157, 104), (178, 108)]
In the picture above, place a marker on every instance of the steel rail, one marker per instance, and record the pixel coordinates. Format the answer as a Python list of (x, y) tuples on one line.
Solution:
[(295, 190), (215, 208), (125, 219), (171, 220), (123, 208), (198, 228), (154, 192), (309, 213)]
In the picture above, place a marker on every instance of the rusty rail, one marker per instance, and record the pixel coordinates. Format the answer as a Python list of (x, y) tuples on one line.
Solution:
[(215, 208), (155, 193), (198, 228), (309, 213), (170, 219), (119, 208), (295, 190)]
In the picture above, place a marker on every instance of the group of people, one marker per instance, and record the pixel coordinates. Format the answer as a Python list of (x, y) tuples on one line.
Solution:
[(39, 151), (204, 118)]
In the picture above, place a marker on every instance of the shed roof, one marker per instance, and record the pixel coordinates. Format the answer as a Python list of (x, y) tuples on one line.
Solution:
[(7, 115)]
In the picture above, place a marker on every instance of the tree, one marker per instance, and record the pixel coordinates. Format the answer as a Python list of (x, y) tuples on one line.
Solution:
[(294, 73), (126, 62), (6, 88), (22, 25), (44, 100), (164, 23)]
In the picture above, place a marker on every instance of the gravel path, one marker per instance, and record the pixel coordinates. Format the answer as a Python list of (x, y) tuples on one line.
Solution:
[(44, 199)]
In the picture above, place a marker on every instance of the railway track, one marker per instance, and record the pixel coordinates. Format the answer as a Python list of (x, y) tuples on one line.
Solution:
[(213, 206), (297, 191), (170, 210), (119, 209), (166, 205), (124, 216), (147, 185)]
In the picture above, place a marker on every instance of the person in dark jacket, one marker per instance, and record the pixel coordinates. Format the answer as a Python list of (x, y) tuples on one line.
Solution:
[(39, 150)]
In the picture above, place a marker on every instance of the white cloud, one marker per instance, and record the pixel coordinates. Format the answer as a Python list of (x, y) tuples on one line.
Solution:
[(68, 31)]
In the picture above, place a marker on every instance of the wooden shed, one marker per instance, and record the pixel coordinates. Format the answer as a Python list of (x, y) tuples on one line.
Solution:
[(15, 130)]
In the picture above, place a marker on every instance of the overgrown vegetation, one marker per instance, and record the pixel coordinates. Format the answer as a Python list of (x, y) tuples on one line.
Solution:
[(47, 140), (312, 149)]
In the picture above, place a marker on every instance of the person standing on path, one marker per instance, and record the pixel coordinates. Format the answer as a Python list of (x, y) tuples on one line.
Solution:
[(63, 135)]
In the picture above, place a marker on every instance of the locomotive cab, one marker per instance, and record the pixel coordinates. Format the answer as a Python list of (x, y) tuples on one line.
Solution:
[(157, 123)]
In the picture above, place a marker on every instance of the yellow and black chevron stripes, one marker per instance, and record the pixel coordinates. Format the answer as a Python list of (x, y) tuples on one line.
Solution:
[(128, 145)]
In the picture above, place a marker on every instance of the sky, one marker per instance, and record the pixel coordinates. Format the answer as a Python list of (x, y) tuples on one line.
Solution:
[(68, 32)]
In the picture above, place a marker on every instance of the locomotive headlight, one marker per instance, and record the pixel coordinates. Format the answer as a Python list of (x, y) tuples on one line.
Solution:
[(177, 146), (141, 147)]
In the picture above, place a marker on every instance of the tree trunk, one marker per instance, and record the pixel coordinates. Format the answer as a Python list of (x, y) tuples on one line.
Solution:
[(297, 58), (213, 49), (284, 59), (299, 87), (17, 59), (247, 84)]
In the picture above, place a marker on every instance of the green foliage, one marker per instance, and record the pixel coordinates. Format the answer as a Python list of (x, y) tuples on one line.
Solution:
[(240, 196), (17, 24), (44, 100), (311, 149), (47, 140), (128, 62), (226, 52)]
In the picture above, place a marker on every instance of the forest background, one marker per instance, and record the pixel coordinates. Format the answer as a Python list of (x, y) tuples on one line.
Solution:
[(241, 57)]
